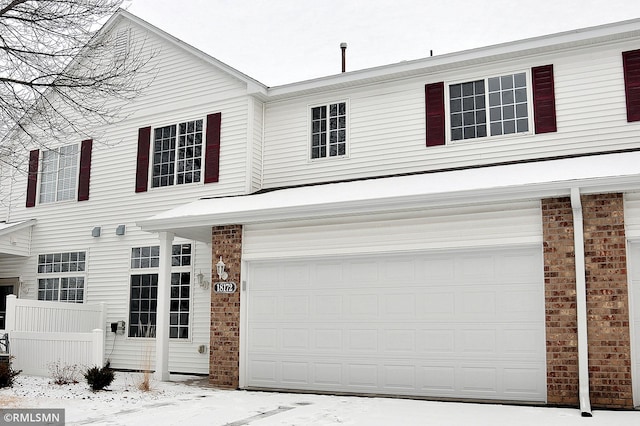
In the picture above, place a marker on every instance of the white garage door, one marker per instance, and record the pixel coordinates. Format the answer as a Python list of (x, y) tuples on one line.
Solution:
[(634, 270), (457, 324)]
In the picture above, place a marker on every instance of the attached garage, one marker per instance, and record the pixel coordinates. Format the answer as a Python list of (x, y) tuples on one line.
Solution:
[(344, 315)]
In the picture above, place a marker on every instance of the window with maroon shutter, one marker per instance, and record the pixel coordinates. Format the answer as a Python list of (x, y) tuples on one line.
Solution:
[(85, 170), (142, 168), (631, 66), (544, 100), (32, 182), (435, 118), (212, 154)]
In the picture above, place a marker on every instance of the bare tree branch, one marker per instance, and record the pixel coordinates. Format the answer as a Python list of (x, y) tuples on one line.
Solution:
[(60, 74)]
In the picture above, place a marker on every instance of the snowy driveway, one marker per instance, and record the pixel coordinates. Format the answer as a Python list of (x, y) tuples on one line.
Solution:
[(188, 403)]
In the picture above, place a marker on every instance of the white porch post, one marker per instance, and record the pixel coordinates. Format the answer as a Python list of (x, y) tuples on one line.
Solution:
[(162, 310)]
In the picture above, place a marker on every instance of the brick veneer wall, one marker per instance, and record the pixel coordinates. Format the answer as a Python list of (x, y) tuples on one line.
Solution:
[(225, 309), (560, 302), (607, 301)]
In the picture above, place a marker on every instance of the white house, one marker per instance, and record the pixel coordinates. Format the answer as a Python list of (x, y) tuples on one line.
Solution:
[(463, 226)]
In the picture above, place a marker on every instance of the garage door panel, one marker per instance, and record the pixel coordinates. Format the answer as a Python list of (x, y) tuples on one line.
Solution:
[(367, 330)]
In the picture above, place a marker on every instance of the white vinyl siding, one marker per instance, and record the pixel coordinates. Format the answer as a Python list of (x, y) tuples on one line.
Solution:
[(387, 122), (634, 316), (500, 224)]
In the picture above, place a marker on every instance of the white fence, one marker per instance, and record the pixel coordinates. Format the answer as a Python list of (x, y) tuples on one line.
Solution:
[(45, 332)]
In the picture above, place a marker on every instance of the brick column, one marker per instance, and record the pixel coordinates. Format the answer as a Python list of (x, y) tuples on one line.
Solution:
[(607, 301), (225, 309), (560, 302)]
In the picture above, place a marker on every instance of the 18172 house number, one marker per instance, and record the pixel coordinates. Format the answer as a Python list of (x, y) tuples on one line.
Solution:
[(225, 287)]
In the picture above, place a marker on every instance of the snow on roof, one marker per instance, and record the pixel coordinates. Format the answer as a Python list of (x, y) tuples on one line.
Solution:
[(596, 173)]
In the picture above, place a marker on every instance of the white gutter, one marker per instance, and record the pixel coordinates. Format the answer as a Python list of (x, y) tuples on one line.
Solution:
[(581, 304)]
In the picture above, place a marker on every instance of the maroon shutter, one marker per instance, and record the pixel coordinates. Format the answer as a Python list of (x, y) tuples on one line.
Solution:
[(85, 170), (142, 170), (212, 154), (544, 99), (631, 66), (434, 106), (32, 182)]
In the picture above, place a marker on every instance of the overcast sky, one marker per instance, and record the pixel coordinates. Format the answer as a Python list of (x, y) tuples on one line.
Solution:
[(284, 41)]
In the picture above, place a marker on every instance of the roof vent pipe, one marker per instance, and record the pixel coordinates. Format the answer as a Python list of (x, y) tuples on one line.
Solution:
[(343, 47)]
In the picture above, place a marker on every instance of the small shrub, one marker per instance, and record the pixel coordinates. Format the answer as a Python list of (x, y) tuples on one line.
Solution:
[(63, 374), (99, 378), (7, 373)]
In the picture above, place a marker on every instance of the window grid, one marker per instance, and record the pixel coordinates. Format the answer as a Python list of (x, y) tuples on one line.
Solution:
[(179, 305), (143, 305), (59, 174), (337, 129), (319, 132), (61, 262), (177, 154), (508, 111), (189, 152), (144, 292), (468, 114), (164, 155), (72, 289), (66, 287), (145, 257), (329, 122), (48, 288)]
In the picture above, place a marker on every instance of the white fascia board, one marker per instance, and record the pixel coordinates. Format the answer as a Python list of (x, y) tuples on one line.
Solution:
[(535, 45), (543, 179)]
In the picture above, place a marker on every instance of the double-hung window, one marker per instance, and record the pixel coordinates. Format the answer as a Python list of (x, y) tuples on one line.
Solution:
[(59, 174), (177, 154), (329, 130), (489, 107), (61, 276), (143, 300)]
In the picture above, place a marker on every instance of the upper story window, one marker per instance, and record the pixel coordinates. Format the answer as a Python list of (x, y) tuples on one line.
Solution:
[(61, 276), (181, 153), (489, 107), (177, 154), (329, 130), (58, 174)]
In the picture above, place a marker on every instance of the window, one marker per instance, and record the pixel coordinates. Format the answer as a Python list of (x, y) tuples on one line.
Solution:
[(61, 276), (329, 130), (177, 154), (489, 107), (144, 291), (59, 174)]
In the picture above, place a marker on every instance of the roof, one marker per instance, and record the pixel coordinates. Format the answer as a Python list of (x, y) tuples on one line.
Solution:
[(535, 180)]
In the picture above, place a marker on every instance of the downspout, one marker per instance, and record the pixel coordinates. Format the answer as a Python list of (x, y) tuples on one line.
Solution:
[(262, 148), (581, 304)]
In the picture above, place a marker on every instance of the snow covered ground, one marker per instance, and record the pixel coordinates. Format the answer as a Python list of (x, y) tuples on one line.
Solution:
[(185, 401)]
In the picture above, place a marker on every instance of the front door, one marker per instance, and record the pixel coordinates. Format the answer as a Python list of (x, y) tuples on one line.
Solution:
[(7, 286)]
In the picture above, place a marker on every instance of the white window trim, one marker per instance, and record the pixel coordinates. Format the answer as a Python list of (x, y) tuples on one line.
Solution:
[(156, 270), (176, 123), (44, 275), (347, 149), (40, 176), (486, 77)]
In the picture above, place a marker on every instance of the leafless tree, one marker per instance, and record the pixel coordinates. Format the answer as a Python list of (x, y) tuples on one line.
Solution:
[(61, 74)]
